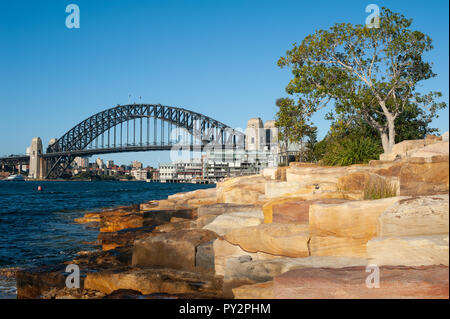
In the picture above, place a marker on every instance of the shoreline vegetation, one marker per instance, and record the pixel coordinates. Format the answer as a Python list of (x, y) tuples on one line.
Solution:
[(269, 235)]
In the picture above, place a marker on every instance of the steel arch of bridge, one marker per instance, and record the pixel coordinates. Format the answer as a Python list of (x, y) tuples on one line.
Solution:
[(75, 142)]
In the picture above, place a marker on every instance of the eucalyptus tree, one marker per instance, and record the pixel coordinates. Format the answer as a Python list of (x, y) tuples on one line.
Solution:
[(370, 72)]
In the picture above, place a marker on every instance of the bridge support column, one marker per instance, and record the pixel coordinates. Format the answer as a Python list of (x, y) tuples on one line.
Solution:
[(36, 158)]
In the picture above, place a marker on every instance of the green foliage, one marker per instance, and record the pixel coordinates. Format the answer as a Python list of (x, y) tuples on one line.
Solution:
[(351, 150), (378, 188), (371, 73)]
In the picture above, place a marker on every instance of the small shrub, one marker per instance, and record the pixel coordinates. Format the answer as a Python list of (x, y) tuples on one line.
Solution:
[(352, 150), (377, 188)]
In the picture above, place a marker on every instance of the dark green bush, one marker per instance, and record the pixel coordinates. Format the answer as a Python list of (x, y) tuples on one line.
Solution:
[(351, 150)]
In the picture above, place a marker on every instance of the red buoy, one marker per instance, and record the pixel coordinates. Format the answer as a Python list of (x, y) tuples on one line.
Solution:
[(39, 188)]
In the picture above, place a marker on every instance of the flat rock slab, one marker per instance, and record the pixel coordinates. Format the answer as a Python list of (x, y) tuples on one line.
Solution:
[(337, 246), (153, 280), (424, 215), (256, 291), (353, 219), (175, 249), (227, 222), (290, 240), (288, 210), (409, 251), (242, 268), (350, 283), (223, 250), (424, 179), (224, 208)]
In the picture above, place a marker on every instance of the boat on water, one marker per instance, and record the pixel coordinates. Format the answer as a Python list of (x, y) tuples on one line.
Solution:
[(15, 178)]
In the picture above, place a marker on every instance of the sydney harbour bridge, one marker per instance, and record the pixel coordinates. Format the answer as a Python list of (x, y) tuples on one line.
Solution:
[(130, 128)]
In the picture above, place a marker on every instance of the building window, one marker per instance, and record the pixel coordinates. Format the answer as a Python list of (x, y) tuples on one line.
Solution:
[(253, 140)]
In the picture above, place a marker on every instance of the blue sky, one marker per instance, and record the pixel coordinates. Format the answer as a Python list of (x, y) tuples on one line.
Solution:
[(216, 57)]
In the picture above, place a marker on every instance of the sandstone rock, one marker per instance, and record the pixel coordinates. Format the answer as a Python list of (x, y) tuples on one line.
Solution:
[(395, 282), (245, 269), (337, 246), (158, 217), (288, 240), (291, 209), (427, 152), (244, 190), (225, 223), (424, 179), (239, 194), (409, 251), (269, 172), (256, 291), (224, 208), (111, 240), (153, 280), (223, 250), (353, 219), (425, 215), (197, 202), (176, 225), (400, 150), (34, 282), (197, 194), (445, 137), (175, 250)]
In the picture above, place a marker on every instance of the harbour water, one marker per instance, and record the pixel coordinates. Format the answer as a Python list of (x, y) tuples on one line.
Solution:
[(37, 227)]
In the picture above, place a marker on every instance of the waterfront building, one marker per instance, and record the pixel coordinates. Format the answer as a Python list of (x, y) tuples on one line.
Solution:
[(139, 174), (189, 170), (109, 163), (167, 172)]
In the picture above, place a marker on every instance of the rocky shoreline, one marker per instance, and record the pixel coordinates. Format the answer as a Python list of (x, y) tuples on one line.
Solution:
[(303, 231)]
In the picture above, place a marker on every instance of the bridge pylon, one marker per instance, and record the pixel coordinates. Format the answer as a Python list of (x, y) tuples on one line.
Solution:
[(38, 165)]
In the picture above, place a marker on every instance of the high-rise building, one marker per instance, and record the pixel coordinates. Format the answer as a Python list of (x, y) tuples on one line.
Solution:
[(81, 162), (99, 162), (109, 163)]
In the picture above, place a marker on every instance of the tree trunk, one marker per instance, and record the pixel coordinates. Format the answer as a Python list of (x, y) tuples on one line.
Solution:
[(391, 127), (385, 142)]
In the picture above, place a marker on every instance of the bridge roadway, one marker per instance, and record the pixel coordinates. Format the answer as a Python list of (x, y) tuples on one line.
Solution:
[(25, 159)]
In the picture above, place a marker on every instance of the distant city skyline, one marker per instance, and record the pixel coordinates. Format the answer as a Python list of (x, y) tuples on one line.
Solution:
[(217, 58)]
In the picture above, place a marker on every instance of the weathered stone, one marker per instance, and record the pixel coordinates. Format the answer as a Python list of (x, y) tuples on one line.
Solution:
[(256, 291), (269, 172), (204, 256), (409, 251), (424, 179), (425, 215), (197, 202), (395, 282), (225, 223), (353, 219), (158, 217), (223, 250), (241, 190), (111, 240), (244, 268), (153, 280), (436, 149), (445, 137), (291, 209), (33, 283), (175, 250), (337, 246), (400, 150), (290, 240), (224, 208)]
